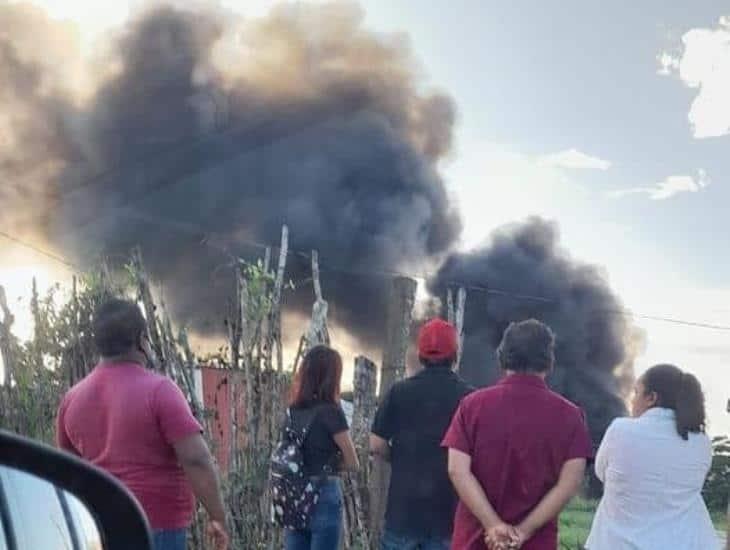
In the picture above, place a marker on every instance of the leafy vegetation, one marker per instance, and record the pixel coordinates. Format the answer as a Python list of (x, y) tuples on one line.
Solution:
[(575, 523), (717, 487), (576, 519), (61, 351)]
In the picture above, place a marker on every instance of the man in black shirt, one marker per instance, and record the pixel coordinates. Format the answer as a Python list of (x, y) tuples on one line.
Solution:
[(408, 428)]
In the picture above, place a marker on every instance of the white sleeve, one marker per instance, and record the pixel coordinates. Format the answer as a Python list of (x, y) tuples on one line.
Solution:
[(603, 456)]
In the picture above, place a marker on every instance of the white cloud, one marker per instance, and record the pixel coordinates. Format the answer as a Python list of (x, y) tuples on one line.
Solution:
[(574, 159), (669, 187), (704, 64), (668, 64)]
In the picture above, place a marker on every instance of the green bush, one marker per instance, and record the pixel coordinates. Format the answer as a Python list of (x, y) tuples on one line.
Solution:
[(717, 486), (575, 523)]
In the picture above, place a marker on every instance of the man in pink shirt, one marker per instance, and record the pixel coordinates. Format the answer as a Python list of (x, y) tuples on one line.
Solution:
[(137, 425)]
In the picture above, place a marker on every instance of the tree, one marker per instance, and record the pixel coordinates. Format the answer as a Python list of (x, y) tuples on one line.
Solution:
[(717, 485)]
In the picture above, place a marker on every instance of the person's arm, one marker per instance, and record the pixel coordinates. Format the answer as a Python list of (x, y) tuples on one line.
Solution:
[(347, 448), (194, 456), (568, 485), (459, 440), (379, 447), (470, 490), (63, 441), (383, 429), (602, 456), (579, 449), (183, 433)]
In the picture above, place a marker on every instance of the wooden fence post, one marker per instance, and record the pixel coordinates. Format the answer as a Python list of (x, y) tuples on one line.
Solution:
[(459, 323), (145, 294), (357, 495), (450, 306), (274, 334), (364, 384), (317, 332), (400, 315)]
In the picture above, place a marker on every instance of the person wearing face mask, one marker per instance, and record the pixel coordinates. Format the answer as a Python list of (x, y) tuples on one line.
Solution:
[(137, 425), (653, 467)]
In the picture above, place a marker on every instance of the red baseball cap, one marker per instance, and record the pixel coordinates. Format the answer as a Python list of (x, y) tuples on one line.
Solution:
[(437, 340)]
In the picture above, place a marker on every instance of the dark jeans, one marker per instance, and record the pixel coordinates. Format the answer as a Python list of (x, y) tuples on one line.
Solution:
[(325, 526), (394, 541), (169, 539)]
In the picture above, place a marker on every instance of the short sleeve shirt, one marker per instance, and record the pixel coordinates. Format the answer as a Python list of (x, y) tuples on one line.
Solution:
[(321, 453), (519, 435), (413, 418), (125, 419)]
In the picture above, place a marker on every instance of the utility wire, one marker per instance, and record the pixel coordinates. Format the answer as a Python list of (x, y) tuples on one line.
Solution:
[(38, 250), (186, 142), (185, 149), (223, 246)]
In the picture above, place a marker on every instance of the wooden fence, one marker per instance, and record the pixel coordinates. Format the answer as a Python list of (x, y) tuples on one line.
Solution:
[(60, 353)]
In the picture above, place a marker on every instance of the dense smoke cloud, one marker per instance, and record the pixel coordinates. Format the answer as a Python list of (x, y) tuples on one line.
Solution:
[(235, 128), (596, 344), (37, 57), (190, 126)]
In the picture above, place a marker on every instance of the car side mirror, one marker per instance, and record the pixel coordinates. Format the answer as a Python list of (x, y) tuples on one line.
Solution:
[(70, 500)]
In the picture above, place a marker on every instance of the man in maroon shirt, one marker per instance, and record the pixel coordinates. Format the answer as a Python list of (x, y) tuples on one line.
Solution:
[(138, 426), (517, 451)]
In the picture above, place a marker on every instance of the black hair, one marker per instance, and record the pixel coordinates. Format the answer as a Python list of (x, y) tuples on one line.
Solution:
[(679, 391), (447, 363), (527, 346), (118, 326)]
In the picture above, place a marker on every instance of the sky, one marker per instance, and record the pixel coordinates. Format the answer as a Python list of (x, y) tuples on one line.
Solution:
[(613, 120)]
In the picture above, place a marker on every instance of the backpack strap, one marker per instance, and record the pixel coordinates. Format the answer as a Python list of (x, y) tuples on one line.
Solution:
[(327, 470), (310, 421), (311, 417)]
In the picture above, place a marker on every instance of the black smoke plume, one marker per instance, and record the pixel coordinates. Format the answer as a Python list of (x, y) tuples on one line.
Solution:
[(528, 275), (204, 127), (194, 133)]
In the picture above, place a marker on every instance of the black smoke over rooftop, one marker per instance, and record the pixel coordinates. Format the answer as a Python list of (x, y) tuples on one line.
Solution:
[(596, 344)]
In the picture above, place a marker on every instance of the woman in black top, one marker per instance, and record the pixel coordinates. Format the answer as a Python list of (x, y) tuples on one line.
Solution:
[(328, 447)]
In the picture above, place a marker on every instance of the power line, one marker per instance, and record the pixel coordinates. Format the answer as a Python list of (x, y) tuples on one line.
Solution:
[(213, 241), (681, 322), (38, 250), (210, 241), (272, 131), (187, 142)]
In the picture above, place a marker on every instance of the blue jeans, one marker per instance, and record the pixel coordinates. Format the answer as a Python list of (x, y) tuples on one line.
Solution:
[(169, 539), (394, 541), (325, 525)]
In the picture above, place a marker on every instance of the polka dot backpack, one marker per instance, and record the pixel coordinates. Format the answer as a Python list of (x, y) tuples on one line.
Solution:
[(293, 494)]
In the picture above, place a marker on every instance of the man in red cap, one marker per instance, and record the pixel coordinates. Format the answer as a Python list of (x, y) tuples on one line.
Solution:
[(407, 431)]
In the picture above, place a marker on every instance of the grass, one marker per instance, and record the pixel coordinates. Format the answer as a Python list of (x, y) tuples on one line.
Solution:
[(576, 519), (575, 523)]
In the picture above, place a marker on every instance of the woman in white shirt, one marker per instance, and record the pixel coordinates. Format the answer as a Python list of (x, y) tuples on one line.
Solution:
[(653, 467)]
